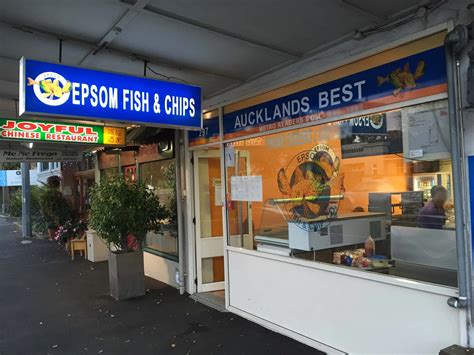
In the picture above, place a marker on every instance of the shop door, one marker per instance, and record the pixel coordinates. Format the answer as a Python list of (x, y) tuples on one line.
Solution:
[(208, 211), (239, 212)]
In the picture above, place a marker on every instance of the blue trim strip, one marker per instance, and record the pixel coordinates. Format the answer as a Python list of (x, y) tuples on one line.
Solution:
[(421, 70)]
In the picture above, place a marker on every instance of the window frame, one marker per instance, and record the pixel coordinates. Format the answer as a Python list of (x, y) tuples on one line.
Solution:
[(148, 249), (310, 263)]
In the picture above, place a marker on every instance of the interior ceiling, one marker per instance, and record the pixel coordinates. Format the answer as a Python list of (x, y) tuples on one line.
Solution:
[(216, 44)]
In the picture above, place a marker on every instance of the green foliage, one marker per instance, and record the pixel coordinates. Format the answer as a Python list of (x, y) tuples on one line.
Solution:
[(169, 174), (38, 221), (120, 208), (10, 166), (54, 207), (15, 203)]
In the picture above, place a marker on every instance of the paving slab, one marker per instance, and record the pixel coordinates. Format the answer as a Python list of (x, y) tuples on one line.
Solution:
[(52, 305)]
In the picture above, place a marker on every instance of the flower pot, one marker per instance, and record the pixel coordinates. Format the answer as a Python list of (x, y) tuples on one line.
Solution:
[(126, 275)]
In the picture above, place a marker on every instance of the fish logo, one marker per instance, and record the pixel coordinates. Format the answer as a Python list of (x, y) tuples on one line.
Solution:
[(314, 186), (51, 88), (403, 79), (376, 121)]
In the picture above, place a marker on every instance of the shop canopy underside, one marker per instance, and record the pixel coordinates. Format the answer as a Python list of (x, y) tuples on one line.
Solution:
[(140, 37)]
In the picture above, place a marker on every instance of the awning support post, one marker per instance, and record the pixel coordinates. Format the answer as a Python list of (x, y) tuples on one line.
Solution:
[(25, 198)]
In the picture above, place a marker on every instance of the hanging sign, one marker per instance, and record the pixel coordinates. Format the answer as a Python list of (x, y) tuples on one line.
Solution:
[(13, 129), (229, 154), (60, 90), (208, 134), (375, 134), (419, 75), (37, 155)]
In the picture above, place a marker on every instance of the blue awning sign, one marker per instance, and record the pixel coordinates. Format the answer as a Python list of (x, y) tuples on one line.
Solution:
[(65, 91)]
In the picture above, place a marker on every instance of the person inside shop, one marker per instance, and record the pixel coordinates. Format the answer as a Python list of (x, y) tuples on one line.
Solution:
[(433, 215)]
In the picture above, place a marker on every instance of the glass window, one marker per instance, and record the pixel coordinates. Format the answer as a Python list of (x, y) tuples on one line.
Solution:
[(130, 172), (108, 173), (44, 166), (161, 176), (372, 193), (87, 163)]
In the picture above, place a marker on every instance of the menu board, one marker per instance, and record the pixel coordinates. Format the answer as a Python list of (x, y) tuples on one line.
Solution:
[(370, 135)]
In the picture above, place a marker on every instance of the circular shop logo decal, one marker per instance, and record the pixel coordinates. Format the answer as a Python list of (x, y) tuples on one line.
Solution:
[(312, 187), (376, 121), (51, 88)]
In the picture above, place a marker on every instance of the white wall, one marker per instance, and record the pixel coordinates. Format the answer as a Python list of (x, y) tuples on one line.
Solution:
[(44, 175), (13, 177), (352, 314), (160, 269)]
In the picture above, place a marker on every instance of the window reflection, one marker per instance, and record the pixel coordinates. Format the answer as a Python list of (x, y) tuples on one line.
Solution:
[(161, 177), (372, 192)]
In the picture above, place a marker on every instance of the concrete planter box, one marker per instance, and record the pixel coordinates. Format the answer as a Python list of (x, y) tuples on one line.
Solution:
[(126, 275)]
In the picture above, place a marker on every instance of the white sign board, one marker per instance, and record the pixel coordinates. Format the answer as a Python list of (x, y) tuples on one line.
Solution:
[(426, 132), (36, 155), (246, 188), (218, 197), (13, 177)]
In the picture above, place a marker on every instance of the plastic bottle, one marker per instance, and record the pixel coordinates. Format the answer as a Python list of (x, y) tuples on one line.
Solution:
[(369, 247)]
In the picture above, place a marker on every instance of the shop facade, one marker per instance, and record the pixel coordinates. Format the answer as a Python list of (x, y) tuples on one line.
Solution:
[(286, 195), (153, 162), (327, 199), (327, 209)]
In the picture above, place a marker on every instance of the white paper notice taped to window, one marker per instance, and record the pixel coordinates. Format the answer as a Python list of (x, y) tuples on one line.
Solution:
[(229, 156), (416, 153), (218, 198), (246, 188), (218, 201)]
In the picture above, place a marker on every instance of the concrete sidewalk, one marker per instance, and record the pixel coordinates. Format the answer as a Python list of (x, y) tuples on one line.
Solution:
[(52, 305)]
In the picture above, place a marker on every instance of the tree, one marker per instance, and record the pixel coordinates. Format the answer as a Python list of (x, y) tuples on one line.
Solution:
[(120, 208)]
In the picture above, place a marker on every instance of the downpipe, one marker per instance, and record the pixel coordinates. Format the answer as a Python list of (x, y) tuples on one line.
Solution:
[(179, 211), (455, 42)]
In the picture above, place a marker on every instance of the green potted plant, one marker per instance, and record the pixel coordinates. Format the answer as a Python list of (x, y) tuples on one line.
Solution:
[(54, 207), (122, 212)]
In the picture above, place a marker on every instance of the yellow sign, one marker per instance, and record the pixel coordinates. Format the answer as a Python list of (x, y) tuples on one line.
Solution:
[(114, 135)]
